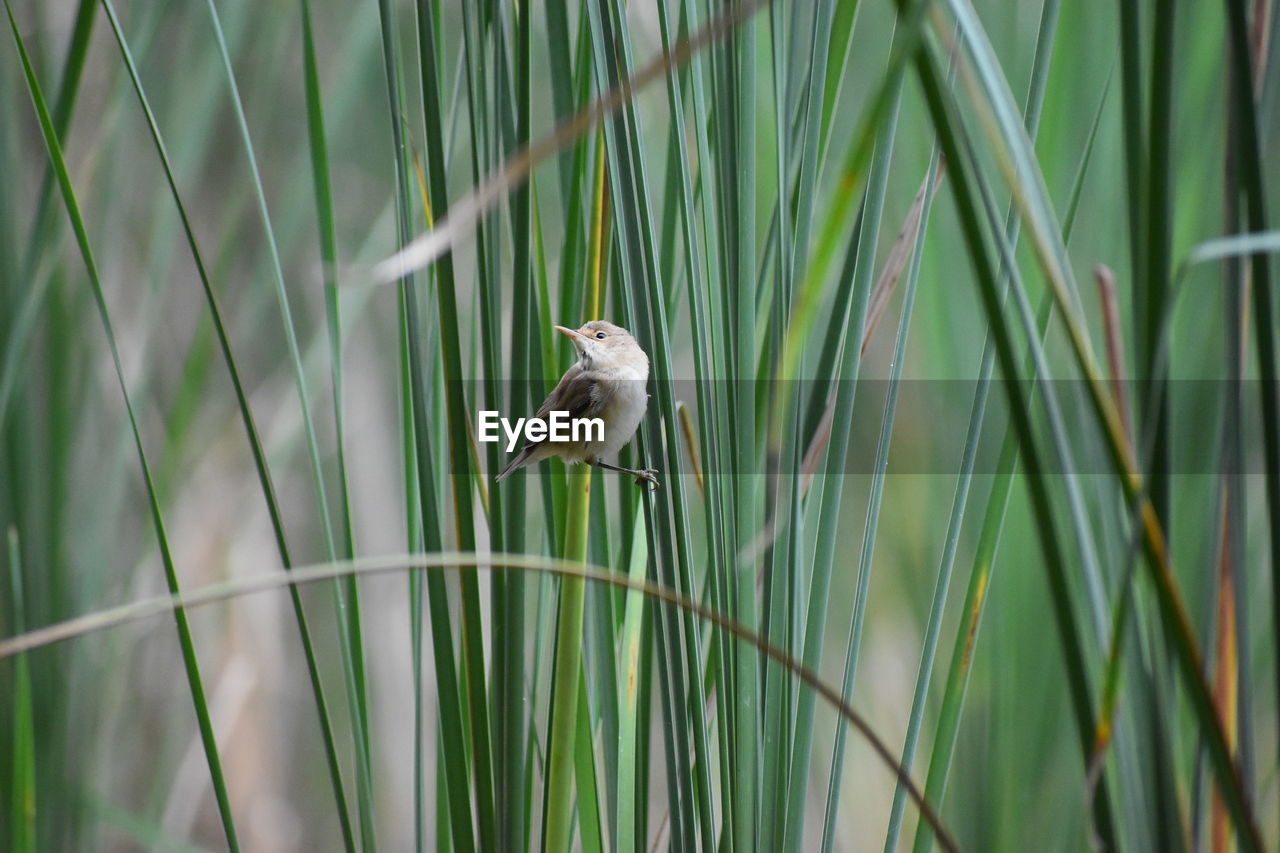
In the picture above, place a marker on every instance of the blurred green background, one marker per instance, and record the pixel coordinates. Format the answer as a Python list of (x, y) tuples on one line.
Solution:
[(116, 761)]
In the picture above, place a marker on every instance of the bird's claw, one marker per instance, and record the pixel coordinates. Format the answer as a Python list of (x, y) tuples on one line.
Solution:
[(650, 476)]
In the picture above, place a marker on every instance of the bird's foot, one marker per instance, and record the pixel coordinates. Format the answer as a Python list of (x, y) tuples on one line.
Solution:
[(643, 476), (648, 476)]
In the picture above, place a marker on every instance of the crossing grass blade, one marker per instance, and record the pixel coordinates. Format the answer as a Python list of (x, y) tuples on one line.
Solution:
[(440, 562)]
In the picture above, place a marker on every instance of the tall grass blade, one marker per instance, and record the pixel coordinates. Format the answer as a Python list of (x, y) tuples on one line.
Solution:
[(346, 604), (880, 467), (1161, 189), (322, 185), (190, 663), (627, 822), (570, 717), (1250, 159), (1051, 254), (251, 431), (511, 734), (590, 829), (738, 180), (946, 125), (976, 594), (642, 300), (23, 323), (22, 808), (700, 261), (863, 273), (456, 414), (565, 705), (1153, 418)]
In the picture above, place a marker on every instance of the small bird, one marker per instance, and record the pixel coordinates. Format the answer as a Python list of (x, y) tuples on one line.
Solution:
[(606, 382)]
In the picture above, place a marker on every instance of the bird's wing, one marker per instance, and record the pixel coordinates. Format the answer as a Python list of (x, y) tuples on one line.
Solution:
[(577, 393)]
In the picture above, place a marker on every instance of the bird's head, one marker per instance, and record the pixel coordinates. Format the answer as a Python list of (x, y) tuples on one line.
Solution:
[(604, 346)]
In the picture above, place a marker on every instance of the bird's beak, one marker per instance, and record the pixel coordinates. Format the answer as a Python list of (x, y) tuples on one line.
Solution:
[(572, 334)]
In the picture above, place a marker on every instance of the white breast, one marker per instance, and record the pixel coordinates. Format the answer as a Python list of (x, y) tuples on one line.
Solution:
[(622, 416)]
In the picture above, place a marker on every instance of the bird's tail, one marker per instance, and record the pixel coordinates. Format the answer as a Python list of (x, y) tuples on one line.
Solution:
[(518, 461)]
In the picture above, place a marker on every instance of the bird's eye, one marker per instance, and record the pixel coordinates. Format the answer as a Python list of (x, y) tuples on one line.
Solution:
[(600, 336)]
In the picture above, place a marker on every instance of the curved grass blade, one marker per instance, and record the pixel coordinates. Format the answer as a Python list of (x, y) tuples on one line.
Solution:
[(446, 561), (1232, 246), (190, 663)]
